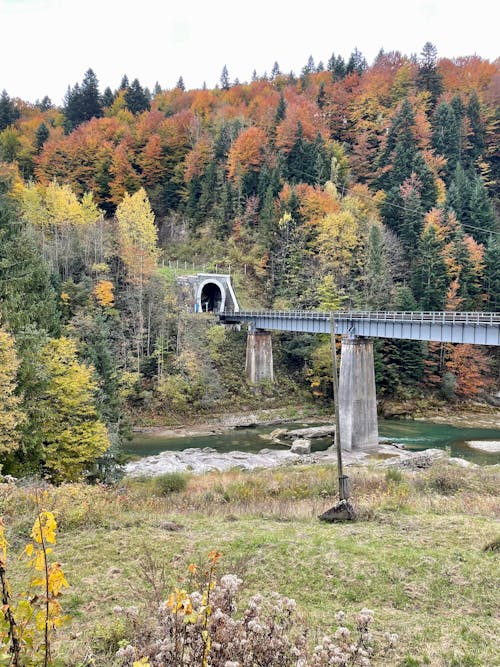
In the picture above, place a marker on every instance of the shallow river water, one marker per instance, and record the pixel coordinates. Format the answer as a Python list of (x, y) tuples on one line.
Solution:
[(414, 435)]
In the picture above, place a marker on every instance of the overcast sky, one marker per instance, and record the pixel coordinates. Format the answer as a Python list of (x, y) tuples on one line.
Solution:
[(47, 44)]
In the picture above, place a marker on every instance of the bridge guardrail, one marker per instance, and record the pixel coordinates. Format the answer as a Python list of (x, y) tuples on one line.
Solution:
[(434, 317)]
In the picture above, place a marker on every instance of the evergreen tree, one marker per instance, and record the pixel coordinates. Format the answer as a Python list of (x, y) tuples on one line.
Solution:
[(446, 136), (429, 78), (124, 84), (492, 273), (412, 215), (41, 136), (482, 214), (356, 63), (275, 71), (136, 99), (468, 280), (81, 103), (459, 194), (429, 274), (45, 104), (8, 112), (180, 84), (477, 134), (280, 110), (224, 79), (108, 97), (91, 102), (320, 99)]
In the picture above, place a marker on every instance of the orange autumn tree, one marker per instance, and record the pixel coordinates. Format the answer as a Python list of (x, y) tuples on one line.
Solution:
[(470, 367), (247, 152)]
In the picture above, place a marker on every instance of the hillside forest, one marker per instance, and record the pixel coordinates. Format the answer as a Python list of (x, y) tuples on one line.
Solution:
[(348, 186)]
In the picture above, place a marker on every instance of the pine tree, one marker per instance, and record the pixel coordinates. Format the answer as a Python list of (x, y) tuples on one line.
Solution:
[(41, 136), (275, 72), (429, 274), (482, 215), (224, 79), (477, 134), (136, 99), (491, 281), (446, 136), (429, 78), (180, 84), (82, 102), (8, 112), (356, 63), (107, 97)]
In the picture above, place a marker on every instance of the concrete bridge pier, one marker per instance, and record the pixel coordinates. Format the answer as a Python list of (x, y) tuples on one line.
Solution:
[(259, 360), (357, 396)]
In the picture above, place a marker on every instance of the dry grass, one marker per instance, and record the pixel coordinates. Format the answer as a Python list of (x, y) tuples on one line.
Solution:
[(416, 556)]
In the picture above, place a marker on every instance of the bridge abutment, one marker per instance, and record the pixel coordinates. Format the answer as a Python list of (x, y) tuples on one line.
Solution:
[(259, 360), (357, 395)]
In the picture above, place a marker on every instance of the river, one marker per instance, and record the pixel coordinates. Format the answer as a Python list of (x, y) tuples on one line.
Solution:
[(414, 435)]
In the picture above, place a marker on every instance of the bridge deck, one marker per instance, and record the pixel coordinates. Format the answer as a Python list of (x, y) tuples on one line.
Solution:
[(447, 327)]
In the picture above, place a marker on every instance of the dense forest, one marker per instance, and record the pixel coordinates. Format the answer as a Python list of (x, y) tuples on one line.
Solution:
[(347, 186)]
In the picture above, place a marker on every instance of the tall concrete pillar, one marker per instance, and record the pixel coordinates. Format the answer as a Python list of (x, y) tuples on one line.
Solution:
[(259, 362), (357, 397)]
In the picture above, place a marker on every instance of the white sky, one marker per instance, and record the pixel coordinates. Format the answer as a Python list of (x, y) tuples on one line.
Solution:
[(47, 44)]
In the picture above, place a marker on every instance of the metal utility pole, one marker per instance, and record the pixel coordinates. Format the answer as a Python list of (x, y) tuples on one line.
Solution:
[(343, 480), (343, 510)]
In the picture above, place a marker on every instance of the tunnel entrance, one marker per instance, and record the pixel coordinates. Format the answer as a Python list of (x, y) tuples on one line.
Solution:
[(211, 298)]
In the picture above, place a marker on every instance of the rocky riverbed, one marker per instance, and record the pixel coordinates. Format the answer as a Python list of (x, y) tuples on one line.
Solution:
[(208, 459)]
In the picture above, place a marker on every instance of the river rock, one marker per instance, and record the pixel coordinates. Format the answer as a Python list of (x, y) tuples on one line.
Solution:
[(461, 463), (490, 446), (416, 460), (312, 432), (301, 446)]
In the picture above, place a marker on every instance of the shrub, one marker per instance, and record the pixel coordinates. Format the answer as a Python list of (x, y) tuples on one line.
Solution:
[(171, 482)]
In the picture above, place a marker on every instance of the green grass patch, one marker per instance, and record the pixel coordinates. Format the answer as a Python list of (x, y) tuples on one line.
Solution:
[(416, 556)]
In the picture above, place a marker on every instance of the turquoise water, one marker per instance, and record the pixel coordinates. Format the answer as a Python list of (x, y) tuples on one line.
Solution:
[(415, 435)]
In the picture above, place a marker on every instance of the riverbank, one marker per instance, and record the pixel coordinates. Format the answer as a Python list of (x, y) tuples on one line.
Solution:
[(464, 414)]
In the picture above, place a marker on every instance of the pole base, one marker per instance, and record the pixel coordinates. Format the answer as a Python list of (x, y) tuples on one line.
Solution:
[(342, 511)]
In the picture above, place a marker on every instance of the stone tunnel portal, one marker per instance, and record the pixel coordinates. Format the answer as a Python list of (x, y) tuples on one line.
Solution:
[(211, 298)]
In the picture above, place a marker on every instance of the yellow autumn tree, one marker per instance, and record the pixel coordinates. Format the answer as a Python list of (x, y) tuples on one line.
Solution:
[(137, 237), (11, 416), (68, 227), (72, 435), (103, 293)]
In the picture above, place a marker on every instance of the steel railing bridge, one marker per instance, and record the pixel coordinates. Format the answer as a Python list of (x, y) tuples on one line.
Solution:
[(477, 328)]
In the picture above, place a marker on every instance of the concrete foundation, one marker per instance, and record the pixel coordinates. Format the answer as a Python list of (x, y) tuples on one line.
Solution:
[(357, 397), (259, 362)]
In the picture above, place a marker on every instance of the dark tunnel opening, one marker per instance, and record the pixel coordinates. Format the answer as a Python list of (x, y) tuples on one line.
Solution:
[(211, 298)]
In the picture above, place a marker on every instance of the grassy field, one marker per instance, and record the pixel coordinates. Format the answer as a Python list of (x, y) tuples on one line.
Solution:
[(418, 555)]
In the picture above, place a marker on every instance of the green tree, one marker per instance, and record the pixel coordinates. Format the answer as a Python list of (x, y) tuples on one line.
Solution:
[(483, 220), (429, 77), (8, 112), (41, 136), (82, 102), (477, 131), (136, 99), (492, 273), (446, 136), (429, 275), (11, 414), (224, 79)]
